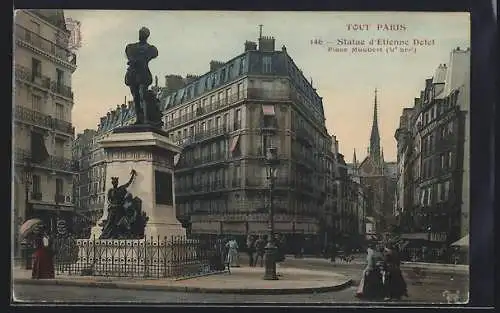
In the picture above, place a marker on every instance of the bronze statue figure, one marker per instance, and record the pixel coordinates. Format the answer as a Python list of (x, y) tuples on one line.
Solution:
[(138, 76), (125, 219)]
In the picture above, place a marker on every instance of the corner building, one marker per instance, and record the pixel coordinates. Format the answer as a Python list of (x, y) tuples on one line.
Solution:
[(42, 131), (225, 120), (433, 153)]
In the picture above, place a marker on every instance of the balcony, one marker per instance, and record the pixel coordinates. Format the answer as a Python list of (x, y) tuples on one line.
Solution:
[(209, 108), (209, 159), (52, 162), (36, 118), (304, 136), (24, 35), (26, 74), (261, 94), (203, 135)]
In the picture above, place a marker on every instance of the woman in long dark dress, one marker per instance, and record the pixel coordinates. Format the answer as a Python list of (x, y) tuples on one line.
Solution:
[(371, 284), (394, 283), (43, 263)]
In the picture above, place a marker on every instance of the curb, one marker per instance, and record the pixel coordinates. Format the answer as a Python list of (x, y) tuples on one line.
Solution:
[(135, 286)]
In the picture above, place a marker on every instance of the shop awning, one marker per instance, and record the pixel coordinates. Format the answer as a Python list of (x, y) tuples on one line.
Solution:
[(422, 236), (268, 110), (462, 242), (234, 143)]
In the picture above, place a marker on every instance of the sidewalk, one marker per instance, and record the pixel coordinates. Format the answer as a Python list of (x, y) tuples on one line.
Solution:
[(244, 280), (360, 260)]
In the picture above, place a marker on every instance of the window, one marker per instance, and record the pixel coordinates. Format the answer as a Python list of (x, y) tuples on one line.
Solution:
[(450, 159), (209, 124), (242, 66), (36, 102), (443, 161), (446, 190), (59, 111), (217, 122), (266, 64), (225, 121), (203, 127), (267, 142), (60, 78), (237, 119), (228, 94), (191, 131), (221, 98), (35, 27), (212, 99), (36, 184), (59, 148), (59, 187), (36, 68)]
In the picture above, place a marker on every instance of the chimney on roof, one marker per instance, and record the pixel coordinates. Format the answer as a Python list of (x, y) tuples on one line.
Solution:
[(266, 44), (130, 105), (191, 78), (215, 65), (250, 46), (416, 101), (283, 48), (174, 83)]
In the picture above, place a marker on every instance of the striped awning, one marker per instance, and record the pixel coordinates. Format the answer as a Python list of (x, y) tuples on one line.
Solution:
[(268, 109), (234, 142)]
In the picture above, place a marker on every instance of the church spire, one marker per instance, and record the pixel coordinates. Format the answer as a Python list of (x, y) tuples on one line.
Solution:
[(375, 137), (354, 161)]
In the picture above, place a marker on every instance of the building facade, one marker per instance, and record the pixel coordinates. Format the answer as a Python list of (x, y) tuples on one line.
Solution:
[(224, 121), (433, 155), (43, 101), (378, 178)]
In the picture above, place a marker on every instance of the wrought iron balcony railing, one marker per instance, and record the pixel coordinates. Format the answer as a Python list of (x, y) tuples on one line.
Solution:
[(209, 108), (51, 162), (202, 135), (214, 186), (27, 74), (206, 159), (44, 44), (30, 116)]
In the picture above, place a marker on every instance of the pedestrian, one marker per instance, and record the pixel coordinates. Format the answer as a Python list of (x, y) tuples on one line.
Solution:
[(394, 284), (260, 249), (232, 253), (371, 284), (333, 253), (251, 250), (43, 263)]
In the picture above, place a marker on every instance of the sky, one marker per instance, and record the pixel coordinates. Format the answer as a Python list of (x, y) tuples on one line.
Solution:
[(188, 41)]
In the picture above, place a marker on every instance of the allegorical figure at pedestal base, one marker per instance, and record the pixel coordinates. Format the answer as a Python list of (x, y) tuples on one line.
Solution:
[(138, 77), (125, 217)]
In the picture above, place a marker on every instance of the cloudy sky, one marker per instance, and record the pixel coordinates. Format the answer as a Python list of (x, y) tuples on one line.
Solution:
[(188, 41)]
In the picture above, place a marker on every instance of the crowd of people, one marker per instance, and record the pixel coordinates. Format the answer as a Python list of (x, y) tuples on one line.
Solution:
[(382, 276)]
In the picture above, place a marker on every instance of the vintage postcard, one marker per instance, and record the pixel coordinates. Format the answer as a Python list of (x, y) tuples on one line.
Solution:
[(240, 157)]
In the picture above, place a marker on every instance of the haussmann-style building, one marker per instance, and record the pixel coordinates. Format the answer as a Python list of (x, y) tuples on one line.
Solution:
[(43, 101), (433, 156), (225, 120)]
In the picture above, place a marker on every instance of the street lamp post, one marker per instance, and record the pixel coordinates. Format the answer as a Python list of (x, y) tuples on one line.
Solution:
[(271, 250), (25, 244)]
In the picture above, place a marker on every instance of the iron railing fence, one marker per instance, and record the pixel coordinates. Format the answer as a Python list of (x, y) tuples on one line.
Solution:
[(432, 255), (151, 258)]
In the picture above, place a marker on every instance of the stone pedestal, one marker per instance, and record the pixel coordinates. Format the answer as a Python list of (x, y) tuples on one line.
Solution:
[(150, 153)]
